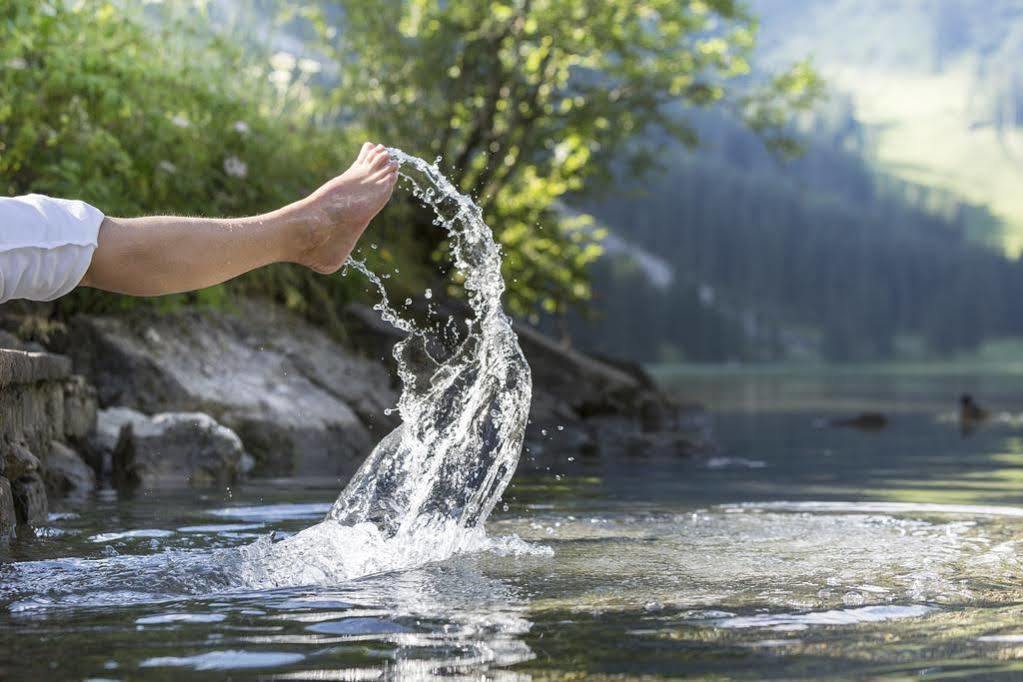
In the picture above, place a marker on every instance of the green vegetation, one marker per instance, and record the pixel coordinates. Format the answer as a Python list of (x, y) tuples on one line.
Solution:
[(935, 84), (817, 259), (144, 117), (161, 110), (527, 101)]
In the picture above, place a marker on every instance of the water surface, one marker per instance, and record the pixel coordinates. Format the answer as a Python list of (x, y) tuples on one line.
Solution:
[(794, 552)]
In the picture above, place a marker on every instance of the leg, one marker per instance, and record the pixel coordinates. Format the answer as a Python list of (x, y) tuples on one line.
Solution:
[(164, 255)]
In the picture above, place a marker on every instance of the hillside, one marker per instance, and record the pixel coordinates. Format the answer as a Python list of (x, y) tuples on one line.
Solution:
[(936, 84)]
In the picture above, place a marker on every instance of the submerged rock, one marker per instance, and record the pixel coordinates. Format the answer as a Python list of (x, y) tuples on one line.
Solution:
[(297, 400), (173, 448)]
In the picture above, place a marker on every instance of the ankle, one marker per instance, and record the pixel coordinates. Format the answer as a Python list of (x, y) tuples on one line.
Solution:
[(302, 230)]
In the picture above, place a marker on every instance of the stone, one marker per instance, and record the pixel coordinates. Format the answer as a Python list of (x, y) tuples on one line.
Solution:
[(299, 402), (79, 408), (175, 448), (31, 506), (66, 473), (602, 406), (19, 461), (8, 518), (22, 367)]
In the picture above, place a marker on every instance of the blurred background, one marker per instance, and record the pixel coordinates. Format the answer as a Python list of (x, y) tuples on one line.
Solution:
[(818, 181)]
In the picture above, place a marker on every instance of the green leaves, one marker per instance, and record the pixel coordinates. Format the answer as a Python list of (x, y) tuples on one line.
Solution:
[(531, 101)]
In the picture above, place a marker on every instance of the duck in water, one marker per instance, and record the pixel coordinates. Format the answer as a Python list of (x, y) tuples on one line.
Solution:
[(971, 415)]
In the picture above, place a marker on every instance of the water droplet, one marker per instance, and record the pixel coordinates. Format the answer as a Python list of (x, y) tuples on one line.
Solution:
[(560, 427), (428, 294)]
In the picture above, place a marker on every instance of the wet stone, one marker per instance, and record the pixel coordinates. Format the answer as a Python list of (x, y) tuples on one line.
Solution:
[(67, 473), (30, 503), (18, 461), (8, 519)]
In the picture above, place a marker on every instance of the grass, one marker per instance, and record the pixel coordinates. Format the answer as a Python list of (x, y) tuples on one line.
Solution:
[(926, 129)]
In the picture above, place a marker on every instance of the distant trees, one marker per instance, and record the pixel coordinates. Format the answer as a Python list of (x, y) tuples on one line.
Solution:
[(527, 101), (814, 246)]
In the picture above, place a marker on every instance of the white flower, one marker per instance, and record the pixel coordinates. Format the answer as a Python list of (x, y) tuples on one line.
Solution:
[(309, 66), (180, 121), (235, 167), (167, 167), (16, 64), (241, 127), (283, 61), (280, 78)]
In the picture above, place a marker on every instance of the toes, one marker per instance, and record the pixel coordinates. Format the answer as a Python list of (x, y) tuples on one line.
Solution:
[(384, 170), (388, 177), (381, 159), (364, 152)]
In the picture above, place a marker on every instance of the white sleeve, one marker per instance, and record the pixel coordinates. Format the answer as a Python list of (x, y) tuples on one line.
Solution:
[(46, 246)]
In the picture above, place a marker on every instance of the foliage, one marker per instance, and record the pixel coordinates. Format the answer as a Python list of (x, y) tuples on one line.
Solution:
[(142, 115), (820, 258), (528, 101)]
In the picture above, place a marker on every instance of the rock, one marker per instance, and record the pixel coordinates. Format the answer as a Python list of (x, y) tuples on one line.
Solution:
[(30, 503), (18, 461), (170, 448), (79, 408), (110, 422), (8, 518), (299, 402), (21, 367), (41, 405), (602, 406), (66, 473)]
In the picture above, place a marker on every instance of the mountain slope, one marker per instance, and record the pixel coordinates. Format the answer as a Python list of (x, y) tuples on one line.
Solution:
[(937, 85)]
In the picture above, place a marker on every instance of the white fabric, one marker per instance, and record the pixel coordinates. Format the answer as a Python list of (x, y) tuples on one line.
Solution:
[(46, 246)]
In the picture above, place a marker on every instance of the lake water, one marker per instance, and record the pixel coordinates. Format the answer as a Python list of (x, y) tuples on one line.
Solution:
[(793, 552)]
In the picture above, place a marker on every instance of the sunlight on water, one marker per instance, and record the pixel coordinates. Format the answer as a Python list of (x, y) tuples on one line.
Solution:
[(785, 559)]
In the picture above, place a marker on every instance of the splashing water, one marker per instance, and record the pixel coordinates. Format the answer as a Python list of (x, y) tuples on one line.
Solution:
[(425, 491)]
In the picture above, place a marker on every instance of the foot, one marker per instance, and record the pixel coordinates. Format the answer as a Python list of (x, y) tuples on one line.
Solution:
[(334, 217)]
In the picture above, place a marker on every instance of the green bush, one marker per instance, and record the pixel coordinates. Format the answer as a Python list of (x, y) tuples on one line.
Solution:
[(152, 113)]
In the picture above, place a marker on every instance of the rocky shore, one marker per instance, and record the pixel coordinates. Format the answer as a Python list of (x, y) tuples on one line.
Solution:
[(203, 397)]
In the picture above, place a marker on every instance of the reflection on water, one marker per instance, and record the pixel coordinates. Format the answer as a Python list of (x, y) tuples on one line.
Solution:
[(794, 552)]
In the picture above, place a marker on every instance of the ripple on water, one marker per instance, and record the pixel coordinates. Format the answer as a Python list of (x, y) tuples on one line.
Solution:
[(790, 558), (802, 621), (225, 660), (270, 513)]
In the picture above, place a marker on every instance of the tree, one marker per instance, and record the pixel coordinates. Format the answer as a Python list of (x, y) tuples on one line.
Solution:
[(530, 101)]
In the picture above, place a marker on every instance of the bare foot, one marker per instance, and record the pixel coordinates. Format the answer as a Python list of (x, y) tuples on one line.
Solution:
[(334, 217)]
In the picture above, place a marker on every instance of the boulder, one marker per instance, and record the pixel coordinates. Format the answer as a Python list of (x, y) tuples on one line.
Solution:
[(66, 473), (173, 448), (30, 503), (581, 402), (299, 402), (19, 461)]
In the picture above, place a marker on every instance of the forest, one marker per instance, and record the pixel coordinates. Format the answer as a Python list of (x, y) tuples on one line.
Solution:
[(820, 257)]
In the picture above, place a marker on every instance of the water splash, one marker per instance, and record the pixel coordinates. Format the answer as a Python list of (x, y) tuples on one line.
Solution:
[(424, 493)]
